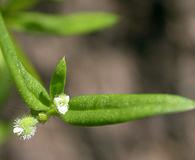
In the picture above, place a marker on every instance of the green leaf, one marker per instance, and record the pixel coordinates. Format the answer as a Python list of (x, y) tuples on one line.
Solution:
[(5, 77), (58, 80), (33, 93), (94, 110), (17, 5), (4, 132), (73, 24), (5, 81)]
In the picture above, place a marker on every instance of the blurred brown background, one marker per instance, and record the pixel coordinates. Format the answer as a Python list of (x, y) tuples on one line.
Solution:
[(150, 50)]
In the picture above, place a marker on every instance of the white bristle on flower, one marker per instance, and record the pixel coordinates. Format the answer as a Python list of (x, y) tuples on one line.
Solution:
[(18, 130), (61, 103)]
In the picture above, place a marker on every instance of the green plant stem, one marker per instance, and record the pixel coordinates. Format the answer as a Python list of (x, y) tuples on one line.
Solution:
[(51, 112)]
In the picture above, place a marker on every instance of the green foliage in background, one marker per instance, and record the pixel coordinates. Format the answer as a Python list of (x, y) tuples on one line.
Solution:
[(17, 5), (4, 131), (66, 25)]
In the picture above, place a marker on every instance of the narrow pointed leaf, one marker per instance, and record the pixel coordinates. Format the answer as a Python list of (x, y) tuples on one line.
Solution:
[(73, 24), (96, 110), (5, 77), (33, 93), (58, 80)]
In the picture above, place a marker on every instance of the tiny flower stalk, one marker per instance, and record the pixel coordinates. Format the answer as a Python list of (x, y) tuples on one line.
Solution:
[(25, 127), (61, 103)]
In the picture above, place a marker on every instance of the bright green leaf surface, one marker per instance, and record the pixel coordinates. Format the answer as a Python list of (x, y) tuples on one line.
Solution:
[(73, 24), (33, 93), (95, 110), (57, 83)]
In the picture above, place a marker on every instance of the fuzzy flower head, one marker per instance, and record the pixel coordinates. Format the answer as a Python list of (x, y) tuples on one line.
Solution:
[(61, 103), (25, 127)]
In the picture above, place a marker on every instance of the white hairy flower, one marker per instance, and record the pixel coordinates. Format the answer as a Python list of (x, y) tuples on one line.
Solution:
[(25, 127), (61, 103)]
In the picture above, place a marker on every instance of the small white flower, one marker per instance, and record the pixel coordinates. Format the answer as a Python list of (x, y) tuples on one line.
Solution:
[(25, 127), (61, 103), (62, 109)]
